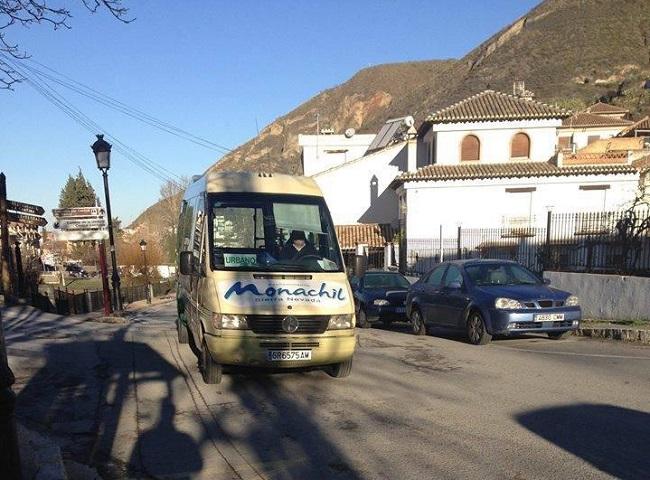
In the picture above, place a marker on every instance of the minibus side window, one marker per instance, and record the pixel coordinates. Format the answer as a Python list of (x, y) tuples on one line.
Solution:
[(197, 234), (185, 231)]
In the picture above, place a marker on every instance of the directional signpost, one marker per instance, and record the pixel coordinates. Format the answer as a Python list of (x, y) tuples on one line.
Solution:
[(80, 224)]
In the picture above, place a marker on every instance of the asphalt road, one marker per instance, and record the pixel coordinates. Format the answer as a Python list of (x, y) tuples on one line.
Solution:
[(414, 408)]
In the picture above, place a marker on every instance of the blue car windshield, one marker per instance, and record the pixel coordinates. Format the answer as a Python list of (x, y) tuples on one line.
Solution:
[(493, 274), (389, 280)]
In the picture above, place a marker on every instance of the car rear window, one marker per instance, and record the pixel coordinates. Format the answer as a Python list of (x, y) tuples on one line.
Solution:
[(385, 281)]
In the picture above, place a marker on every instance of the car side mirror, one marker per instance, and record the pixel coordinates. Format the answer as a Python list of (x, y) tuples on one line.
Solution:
[(185, 263), (455, 286), (547, 281)]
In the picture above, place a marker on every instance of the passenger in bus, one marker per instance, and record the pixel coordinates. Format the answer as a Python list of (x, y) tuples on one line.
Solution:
[(297, 247)]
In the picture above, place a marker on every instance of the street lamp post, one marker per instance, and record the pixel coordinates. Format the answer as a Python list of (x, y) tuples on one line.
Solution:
[(143, 247), (102, 150)]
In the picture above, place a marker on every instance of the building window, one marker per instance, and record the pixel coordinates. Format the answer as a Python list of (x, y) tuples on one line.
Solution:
[(564, 143), (470, 149), (520, 147)]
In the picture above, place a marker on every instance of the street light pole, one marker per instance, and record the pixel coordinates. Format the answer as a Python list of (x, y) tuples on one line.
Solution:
[(102, 150), (143, 247)]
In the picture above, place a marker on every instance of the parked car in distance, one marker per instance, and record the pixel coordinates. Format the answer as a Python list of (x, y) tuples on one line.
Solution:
[(380, 296), (75, 270), (490, 297)]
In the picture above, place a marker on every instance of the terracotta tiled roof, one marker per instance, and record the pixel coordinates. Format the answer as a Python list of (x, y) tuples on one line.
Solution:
[(477, 171), (614, 144), (371, 234), (596, 158), (584, 119), (492, 105), (606, 108), (642, 164), (643, 124)]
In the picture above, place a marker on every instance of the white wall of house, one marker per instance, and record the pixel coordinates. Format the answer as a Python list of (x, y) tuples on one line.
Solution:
[(350, 191), (495, 138), (487, 203), (322, 152), (581, 135)]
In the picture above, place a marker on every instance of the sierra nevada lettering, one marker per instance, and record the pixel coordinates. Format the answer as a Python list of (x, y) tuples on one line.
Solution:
[(308, 293)]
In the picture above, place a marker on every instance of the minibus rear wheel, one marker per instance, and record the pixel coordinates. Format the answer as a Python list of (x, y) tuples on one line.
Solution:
[(210, 369), (341, 370)]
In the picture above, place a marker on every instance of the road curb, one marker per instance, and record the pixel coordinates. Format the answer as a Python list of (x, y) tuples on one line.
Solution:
[(622, 334)]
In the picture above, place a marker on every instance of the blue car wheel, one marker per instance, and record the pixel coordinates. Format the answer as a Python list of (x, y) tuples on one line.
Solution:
[(476, 330)]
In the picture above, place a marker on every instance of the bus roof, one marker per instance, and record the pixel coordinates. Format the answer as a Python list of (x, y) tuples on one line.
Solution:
[(259, 183)]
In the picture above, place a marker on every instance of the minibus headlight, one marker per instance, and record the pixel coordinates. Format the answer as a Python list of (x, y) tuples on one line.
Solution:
[(338, 322), (229, 321)]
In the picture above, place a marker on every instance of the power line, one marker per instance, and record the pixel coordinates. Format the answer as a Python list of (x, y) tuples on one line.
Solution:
[(124, 108), (79, 117)]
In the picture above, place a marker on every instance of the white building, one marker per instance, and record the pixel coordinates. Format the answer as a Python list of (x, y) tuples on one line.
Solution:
[(598, 122), (493, 163), (357, 190), (491, 160), (321, 152)]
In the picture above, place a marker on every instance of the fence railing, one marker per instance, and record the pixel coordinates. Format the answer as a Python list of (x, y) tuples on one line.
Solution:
[(67, 302), (596, 242)]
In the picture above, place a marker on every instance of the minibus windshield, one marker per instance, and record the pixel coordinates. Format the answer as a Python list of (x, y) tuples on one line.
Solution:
[(272, 232)]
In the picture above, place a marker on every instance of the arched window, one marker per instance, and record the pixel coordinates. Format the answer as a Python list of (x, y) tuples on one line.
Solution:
[(520, 147), (470, 148)]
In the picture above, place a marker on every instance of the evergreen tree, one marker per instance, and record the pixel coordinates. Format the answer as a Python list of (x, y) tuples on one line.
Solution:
[(77, 192)]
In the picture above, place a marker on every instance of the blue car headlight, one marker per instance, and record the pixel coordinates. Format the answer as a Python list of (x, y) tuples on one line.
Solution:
[(507, 304), (572, 301), (380, 302)]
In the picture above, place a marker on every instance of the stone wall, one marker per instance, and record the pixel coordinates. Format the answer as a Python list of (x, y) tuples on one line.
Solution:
[(606, 297)]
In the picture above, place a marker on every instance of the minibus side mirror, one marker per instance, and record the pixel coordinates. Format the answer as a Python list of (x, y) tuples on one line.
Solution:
[(185, 263)]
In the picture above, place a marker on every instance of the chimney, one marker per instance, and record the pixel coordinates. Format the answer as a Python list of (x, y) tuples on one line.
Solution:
[(412, 149)]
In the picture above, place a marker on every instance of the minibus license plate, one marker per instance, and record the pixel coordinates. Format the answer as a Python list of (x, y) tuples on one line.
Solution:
[(549, 317), (288, 355)]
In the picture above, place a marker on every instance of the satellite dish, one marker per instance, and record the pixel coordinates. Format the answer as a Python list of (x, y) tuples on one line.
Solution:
[(349, 133), (409, 121)]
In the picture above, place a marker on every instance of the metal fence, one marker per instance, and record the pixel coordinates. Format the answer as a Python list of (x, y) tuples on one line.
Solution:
[(595, 242), (66, 302)]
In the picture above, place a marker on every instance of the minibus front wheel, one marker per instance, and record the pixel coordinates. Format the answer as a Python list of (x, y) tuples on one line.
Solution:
[(210, 370), (182, 331), (341, 370)]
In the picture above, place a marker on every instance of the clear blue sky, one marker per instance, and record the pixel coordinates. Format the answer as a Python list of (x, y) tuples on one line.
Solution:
[(211, 68)]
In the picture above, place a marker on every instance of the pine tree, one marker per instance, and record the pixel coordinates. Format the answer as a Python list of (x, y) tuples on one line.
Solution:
[(77, 192)]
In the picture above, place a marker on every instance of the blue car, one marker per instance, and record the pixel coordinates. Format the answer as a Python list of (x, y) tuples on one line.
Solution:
[(380, 296), (490, 297)]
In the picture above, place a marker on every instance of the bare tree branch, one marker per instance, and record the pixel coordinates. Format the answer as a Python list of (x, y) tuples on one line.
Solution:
[(26, 13)]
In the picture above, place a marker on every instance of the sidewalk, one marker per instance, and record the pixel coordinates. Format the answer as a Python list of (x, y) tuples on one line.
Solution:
[(60, 383)]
